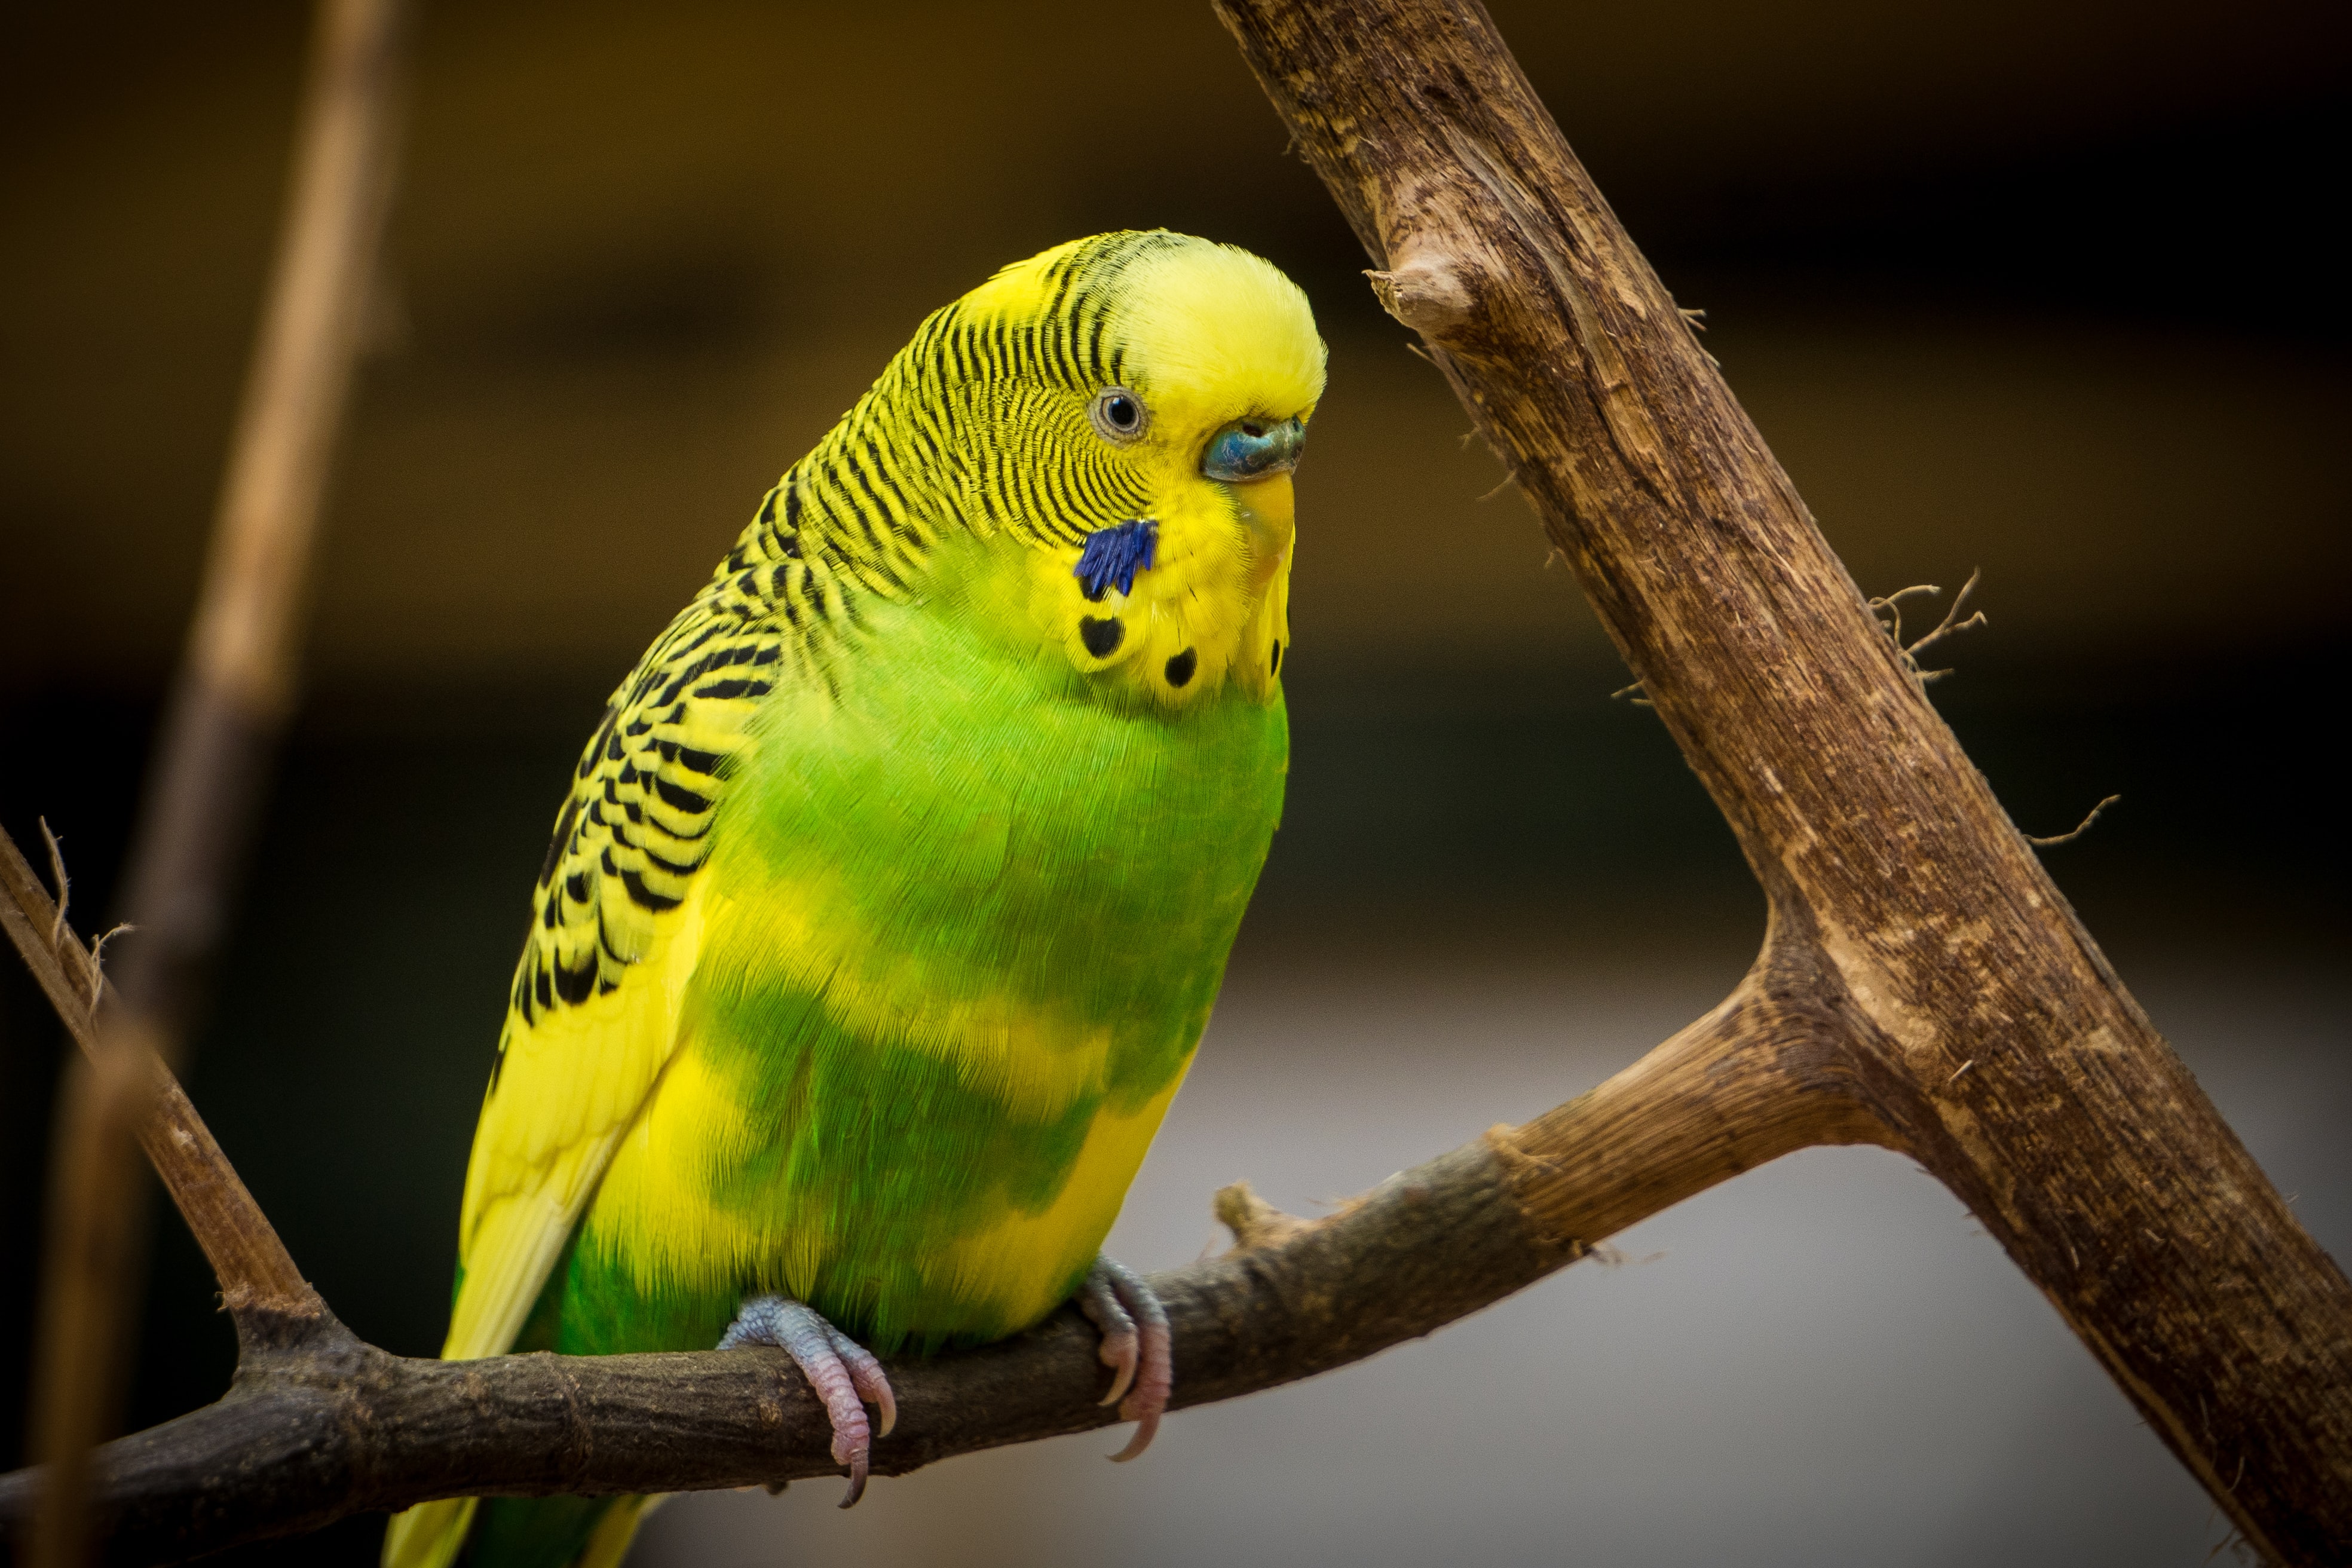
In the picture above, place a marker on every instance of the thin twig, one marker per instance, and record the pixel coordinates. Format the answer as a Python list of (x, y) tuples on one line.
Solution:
[(1893, 604), (247, 1259), (97, 962), (1891, 621), (2080, 828), (1950, 623)]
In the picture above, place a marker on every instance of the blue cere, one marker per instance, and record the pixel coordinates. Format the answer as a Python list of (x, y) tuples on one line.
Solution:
[(1253, 448), (1114, 556)]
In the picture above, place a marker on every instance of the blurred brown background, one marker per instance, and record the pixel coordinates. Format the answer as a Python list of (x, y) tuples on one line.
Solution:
[(2044, 289)]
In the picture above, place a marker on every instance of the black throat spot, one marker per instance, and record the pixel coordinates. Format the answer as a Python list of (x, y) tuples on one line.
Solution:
[(1102, 634)]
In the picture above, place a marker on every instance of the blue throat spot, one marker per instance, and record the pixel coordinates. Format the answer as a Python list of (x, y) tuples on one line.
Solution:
[(1113, 556)]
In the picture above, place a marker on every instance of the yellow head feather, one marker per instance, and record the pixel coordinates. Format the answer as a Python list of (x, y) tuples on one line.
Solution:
[(1204, 335)]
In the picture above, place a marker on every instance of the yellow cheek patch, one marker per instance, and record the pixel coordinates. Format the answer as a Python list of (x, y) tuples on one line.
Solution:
[(1210, 607)]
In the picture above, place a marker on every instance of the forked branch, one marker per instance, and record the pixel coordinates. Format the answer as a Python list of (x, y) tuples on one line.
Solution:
[(319, 1425)]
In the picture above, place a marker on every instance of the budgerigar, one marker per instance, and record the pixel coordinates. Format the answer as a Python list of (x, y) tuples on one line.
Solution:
[(891, 897)]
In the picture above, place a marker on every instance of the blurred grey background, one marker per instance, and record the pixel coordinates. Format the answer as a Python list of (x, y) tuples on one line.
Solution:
[(2044, 290)]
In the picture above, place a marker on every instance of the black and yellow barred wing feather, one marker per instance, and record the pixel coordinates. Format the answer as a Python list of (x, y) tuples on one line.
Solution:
[(592, 1015)]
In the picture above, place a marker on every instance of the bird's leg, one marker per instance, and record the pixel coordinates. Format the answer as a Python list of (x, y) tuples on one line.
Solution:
[(843, 1373), (1136, 1345)]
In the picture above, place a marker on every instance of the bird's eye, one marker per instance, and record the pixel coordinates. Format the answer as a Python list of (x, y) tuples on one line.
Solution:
[(1117, 415)]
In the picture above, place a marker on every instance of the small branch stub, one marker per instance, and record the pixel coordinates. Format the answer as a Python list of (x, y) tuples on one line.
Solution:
[(1255, 1222), (1425, 291)]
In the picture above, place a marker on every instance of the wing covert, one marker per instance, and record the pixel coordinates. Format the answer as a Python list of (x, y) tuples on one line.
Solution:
[(616, 917)]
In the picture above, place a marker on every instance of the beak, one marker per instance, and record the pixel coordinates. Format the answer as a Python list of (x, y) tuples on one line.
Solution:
[(1266, 510)]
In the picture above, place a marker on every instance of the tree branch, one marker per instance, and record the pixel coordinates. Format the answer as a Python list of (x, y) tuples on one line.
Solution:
[(319, 1425), (257, 1277), (1903, 903), (236, 679)]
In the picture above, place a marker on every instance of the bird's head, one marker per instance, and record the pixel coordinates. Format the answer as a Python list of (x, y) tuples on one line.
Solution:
[(1131, 407)]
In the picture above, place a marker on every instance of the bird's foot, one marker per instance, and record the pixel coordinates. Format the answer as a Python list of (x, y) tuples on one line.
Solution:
[(843, 1373), (1136, 1345)]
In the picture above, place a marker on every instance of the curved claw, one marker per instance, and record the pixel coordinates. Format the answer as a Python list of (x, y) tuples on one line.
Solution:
[(1137, 1346), (1099, 1299), (1120, 1354), (866, 1376), (841, 1372), (1146, 1427)]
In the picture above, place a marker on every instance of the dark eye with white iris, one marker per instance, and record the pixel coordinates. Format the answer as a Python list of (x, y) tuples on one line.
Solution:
[(1117, 415)]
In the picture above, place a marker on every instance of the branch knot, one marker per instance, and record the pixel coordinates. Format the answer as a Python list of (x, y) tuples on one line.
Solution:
[(1256, 1223), (1426, 292)]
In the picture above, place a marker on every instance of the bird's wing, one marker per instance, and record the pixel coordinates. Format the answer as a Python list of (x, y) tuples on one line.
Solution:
[(617, 917), (617, 922), (615, 931)]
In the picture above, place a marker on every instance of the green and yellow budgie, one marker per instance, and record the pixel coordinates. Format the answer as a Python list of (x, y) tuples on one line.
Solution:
[(892, 895)]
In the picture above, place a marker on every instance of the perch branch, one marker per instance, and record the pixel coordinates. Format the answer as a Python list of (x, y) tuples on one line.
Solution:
[(319, 1425), (233, 691)]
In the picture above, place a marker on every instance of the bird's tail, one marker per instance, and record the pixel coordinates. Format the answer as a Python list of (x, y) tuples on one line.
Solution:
[(428, 1535), (517, 1533)]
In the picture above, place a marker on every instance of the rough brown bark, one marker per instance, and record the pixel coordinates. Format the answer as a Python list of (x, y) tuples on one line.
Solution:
[(1965, 1011), (247, 1259), (324, 1426), (1922, 984)]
